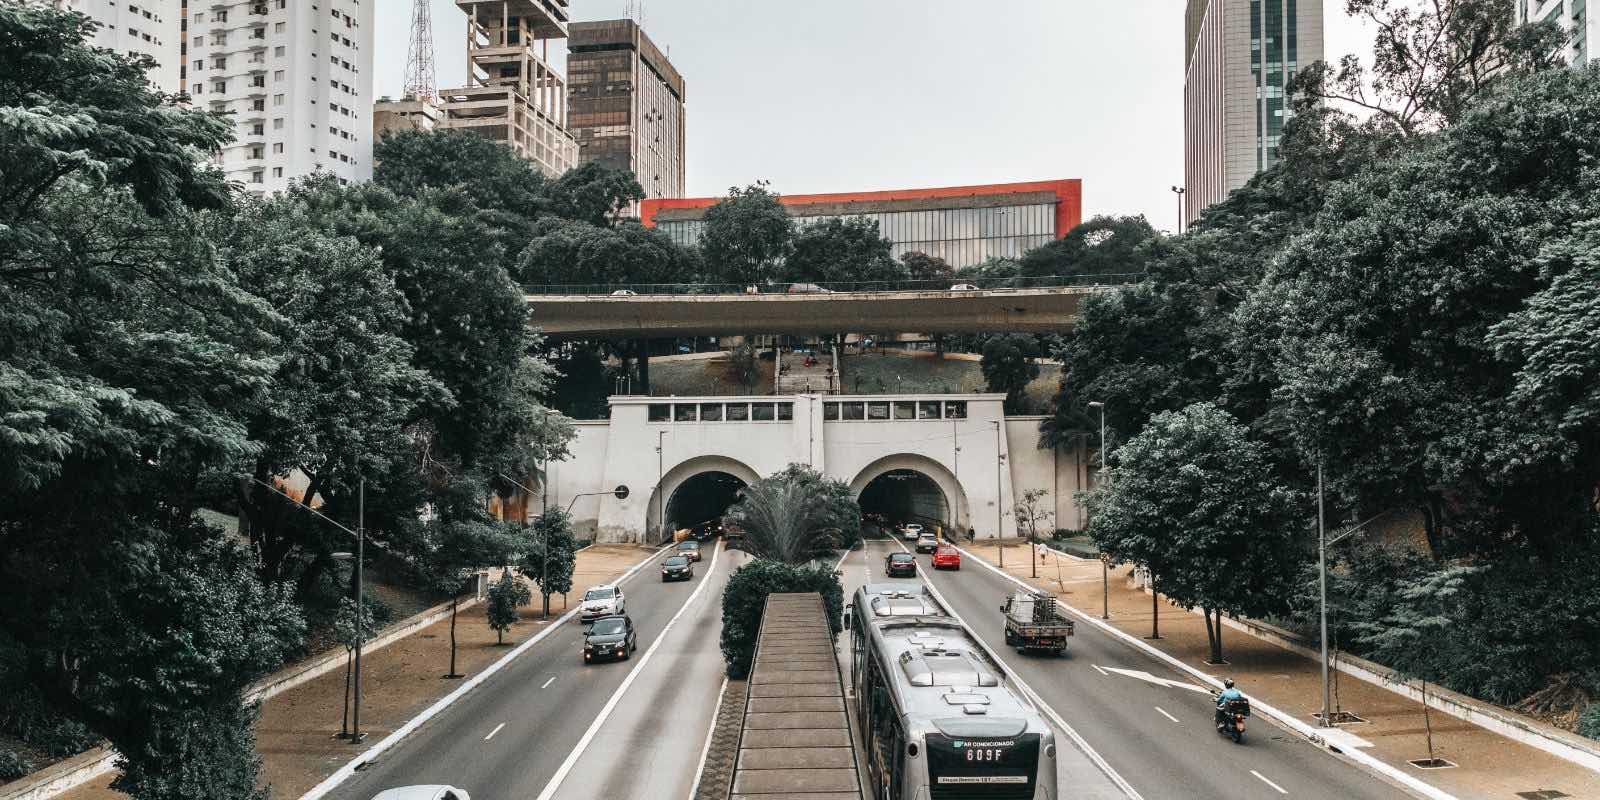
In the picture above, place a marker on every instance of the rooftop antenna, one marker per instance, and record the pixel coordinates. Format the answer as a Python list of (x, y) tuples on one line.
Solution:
[(421, 82)]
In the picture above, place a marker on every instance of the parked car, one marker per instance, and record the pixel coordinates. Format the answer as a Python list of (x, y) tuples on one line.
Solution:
[(422, 793), (609, 637), (602, 601), (902, 565), (676, 568), (963, 287), (690, 549), (911, 531), (947, 557), (927, 543)]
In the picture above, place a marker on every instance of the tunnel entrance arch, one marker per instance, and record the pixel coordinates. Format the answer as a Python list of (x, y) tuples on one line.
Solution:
[(912, 488), (701, 487)]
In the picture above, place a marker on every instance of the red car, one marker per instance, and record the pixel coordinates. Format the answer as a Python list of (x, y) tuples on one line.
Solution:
[(947, 557)]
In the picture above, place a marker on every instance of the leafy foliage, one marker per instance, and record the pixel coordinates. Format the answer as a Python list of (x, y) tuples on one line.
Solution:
[(796, 516), (1101, 246), (1008, 367), (838, 249), (593, 193), (1589, 721), (505, 597), (565, 251), (745, 598), (553, 575), (14, 765), (920, 266), (747, 236)]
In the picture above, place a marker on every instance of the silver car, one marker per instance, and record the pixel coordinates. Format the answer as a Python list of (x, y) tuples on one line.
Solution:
[(438, 792), (602, 601)]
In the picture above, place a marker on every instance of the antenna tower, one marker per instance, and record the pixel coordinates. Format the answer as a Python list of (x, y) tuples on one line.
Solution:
[(421, 82)]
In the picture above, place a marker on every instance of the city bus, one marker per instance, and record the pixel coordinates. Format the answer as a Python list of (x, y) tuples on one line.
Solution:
[(938, 718)]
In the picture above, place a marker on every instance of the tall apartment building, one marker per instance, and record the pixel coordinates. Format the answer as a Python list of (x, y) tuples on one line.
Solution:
[(1239, 55), (1573, 16), (138, 27), (627, 104), (297, 77), (513, 94)]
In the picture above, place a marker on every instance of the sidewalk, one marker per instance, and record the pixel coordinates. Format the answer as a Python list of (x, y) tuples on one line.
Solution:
[(1488, 765), (295, 735)]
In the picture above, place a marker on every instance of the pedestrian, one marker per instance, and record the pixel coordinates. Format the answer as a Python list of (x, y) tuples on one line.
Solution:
[(972, 535)]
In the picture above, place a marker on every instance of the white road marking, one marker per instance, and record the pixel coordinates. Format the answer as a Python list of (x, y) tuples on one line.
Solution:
[(616, 697), (1165, 714), (1269, 783), (495, 731), (1071, 733), (1099, 670), (1148, 678), (705, 750), (548, 682)]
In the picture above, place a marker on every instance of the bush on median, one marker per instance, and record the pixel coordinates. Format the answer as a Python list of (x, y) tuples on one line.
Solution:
[(746, 596)]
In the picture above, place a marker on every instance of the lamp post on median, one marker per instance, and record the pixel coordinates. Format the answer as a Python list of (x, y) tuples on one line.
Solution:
[(1105, 567), (354, 735)]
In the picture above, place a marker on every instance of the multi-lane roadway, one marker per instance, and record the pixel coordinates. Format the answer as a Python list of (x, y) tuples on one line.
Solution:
[(549, 727)]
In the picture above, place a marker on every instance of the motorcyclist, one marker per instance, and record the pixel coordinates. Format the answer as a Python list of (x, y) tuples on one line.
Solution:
[(1227, 694)]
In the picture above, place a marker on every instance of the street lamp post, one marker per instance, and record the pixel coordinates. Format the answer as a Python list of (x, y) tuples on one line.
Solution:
[(1105, 569), (1322, 592), (661, 511), (1178, 190), (354, 734), (999, 526)]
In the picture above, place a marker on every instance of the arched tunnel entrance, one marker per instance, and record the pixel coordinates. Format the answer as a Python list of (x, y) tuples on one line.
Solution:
[(702, 498), (905, 495)]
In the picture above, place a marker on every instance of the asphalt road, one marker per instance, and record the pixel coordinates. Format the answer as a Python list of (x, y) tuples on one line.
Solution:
[(511, 735), (1160, 739)]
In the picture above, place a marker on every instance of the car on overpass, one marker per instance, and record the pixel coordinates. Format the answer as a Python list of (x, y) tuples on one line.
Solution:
[(900, 565), (433, 792), (609, 637)]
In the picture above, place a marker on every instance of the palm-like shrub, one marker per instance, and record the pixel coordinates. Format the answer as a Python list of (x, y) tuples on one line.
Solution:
[(794, 516)]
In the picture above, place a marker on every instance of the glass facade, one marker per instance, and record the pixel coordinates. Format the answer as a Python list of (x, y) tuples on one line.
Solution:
[(627, 107), (1273, 53), (963, 237)]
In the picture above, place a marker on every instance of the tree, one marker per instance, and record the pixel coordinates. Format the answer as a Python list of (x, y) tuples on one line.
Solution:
[(1030, 514), (796, 516), (505, 597), (489, 173), (838, 250), (551, 554), (593, 193), (1430, 64), (1193, 500), (920, 266), (1101, 246), (745, 367), (746, 237), (744, 600), (563, 251), (1008, 367), (352, 627)]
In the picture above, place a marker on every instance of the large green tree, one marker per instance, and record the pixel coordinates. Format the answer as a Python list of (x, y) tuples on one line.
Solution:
[(1008, 366), (1101, 246), (564, 251), (837, 250), (1193, 500), (796, 516), (747, 236)]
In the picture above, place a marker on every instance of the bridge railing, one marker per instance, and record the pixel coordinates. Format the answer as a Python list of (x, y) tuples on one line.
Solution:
[(941, 285)]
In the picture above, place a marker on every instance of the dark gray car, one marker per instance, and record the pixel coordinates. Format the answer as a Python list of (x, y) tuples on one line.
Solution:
[(609, 638), (676, 568)]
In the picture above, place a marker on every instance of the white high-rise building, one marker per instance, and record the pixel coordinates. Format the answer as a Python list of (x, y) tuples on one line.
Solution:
[(137, 27), (297, 77), (1573, 16)]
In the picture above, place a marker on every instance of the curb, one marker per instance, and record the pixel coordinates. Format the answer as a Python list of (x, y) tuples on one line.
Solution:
[(1278, 717), (350, 767)]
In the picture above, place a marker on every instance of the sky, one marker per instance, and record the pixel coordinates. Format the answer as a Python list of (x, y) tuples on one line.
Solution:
[(859, 95)]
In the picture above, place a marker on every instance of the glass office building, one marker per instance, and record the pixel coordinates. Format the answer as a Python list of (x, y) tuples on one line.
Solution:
[(964, 225)]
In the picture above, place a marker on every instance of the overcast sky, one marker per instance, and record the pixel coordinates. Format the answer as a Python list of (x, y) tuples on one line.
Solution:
[(856, 95)]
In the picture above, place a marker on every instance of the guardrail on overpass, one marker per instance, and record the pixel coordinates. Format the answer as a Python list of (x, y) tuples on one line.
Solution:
[(940, 285)]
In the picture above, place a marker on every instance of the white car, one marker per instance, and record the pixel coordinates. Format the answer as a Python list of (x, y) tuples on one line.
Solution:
[(602, 601), (963, 287), (422, 793), (911, 531), (624, 293)]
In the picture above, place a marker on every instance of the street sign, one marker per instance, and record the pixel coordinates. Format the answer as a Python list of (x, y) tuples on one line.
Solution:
[(621, 492)]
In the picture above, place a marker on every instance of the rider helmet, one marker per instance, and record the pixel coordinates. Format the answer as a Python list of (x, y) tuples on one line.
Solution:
[(1227, 683)]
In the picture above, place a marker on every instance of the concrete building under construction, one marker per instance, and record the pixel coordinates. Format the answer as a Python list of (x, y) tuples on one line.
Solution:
[(512, 93)]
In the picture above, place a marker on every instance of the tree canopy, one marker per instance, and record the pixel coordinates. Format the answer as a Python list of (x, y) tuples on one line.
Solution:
[(841, 249), (747, 236)]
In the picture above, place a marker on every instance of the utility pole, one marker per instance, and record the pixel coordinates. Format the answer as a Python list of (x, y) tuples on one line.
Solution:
[(1322, 590), (955, 468), (1105, 568), (999, 526), (361, 547), (661, 512)]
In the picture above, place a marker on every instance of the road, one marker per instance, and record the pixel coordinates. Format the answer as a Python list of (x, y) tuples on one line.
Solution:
[(1158, 738), (516, 732)]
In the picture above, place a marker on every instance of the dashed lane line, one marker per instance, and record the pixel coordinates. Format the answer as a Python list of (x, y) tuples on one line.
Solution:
[(547, 683), (1264, 780), (495, 731), (1169, 716)]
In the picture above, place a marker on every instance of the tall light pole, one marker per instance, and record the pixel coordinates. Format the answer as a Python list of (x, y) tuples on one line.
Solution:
[(1178, 190), (661, 512), (1105, 568), (1322, 591), (999, 526), (955, 467), (355, 734)]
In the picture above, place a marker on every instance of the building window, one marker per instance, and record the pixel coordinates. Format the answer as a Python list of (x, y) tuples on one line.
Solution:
[(660, 412), (684, 412)]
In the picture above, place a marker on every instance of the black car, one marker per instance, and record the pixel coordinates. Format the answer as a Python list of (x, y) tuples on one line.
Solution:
[(676, 568), (609, 637), (901, 565), (690, 549)]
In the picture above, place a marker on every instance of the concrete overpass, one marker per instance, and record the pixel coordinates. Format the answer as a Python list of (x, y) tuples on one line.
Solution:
[(1029, 310)]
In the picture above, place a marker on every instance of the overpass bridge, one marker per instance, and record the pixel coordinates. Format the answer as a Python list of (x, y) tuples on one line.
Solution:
[(806, 309)]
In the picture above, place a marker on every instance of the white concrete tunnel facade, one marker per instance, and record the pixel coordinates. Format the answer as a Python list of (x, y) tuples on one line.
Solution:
[(758, 442)]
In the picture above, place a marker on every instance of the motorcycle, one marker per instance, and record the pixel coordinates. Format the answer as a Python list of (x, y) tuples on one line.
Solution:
[(1230, 718)]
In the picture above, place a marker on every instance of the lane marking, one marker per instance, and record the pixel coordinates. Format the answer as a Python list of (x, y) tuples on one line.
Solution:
[(350, 767), (495, 731), (705, 750), (1168, 716), (1267, 782), (1148, 678), (1099, 670), (548, 682), (1272, 714), (1033, 697), (616, 697)]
